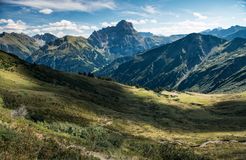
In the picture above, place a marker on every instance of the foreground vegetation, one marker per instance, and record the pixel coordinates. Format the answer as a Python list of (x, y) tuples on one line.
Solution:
[(46, 114)]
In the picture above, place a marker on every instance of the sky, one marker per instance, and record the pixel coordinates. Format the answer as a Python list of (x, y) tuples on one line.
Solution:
[(82, 17)]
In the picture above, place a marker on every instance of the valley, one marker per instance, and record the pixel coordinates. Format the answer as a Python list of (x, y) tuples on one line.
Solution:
[(122, 80), (112, 120)]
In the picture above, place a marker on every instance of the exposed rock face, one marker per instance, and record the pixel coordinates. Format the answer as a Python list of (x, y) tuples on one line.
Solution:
[(120, 40)]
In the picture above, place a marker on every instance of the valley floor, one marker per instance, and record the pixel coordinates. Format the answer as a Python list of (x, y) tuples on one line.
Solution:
[(45, 114)]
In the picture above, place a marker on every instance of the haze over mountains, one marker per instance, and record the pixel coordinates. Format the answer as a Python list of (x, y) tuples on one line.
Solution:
[(179, 62)]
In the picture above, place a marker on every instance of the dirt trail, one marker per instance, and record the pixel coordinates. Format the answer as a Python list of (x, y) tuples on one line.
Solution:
[(220, 142)]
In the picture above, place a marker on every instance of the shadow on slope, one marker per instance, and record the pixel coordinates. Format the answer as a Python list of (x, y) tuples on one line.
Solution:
[(77, 99)]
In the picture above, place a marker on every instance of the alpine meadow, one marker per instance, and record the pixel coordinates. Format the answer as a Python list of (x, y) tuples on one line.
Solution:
[(122, 80)]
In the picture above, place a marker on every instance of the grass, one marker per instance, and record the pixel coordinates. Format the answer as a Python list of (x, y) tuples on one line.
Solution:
[(80, 117)]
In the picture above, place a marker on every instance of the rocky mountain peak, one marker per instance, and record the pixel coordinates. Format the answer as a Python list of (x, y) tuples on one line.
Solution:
[(124, 25), (47, 37)]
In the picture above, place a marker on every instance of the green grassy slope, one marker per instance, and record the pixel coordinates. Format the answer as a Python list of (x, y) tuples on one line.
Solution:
[(54, 115)]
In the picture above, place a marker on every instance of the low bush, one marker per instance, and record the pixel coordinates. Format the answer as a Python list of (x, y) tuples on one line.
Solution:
[(165, 151), (96, 137)]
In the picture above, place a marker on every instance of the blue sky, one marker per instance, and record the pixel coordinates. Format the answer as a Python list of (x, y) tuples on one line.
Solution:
[(81, 17)]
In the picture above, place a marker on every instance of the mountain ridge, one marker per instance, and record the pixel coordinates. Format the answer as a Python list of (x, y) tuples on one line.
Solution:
[(170, 64)]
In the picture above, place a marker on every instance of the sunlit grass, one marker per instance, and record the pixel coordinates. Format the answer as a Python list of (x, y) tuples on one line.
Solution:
[(74, 105)]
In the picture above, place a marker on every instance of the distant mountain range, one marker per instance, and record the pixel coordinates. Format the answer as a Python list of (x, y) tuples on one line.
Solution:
[(197, 63), (229, 34), (74, 54), (123, 40), (181, 62), (71, 54)]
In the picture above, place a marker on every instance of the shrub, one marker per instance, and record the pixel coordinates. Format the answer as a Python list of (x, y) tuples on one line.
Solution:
[(96, 137), (163, 151)]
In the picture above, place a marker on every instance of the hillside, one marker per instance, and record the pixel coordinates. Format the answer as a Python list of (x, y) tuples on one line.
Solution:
[(46, 114), (223, 71), (20, 45), (71, 54), (111, 67), (164, 66)]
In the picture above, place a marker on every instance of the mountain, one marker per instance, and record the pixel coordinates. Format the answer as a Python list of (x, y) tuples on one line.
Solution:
[(123, 40), (107, 70), (45, 38), (20, 45), (71, 54), (228, 33), (165, 66), (238, 34), (119, 40), (161, 40), (47, 114), (223, 71)]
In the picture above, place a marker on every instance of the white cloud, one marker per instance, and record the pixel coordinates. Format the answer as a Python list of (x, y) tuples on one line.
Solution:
[(144, 11), (108, 24), (142, 14), (9, 25), (66, 5), (150, 9), (199, 15), (142, 21), (94, 27), (60, 28), (133, 21), (46, 11), (63, 27)]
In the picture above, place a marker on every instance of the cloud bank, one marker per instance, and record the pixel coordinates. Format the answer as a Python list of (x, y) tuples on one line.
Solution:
[(65, 5)]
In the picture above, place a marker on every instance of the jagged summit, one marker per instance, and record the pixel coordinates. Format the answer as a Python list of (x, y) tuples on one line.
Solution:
[(46, 37), (119, 40), (124, 25)]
